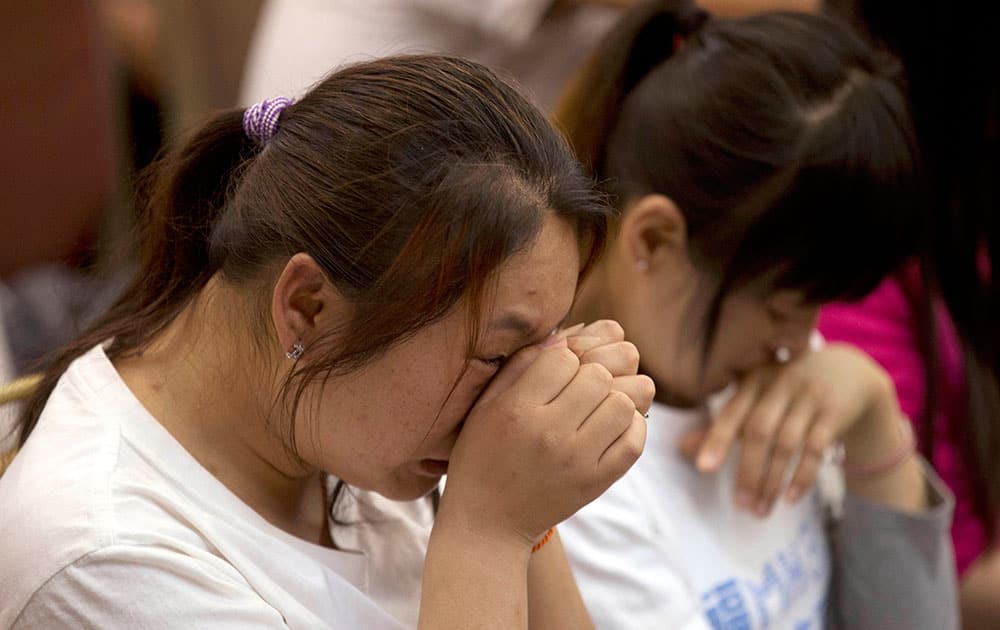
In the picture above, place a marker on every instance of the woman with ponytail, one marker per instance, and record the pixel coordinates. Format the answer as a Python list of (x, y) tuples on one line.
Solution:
[(339, 300), (760, 167)]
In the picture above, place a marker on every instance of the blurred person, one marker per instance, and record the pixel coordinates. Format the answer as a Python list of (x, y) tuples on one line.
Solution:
[(57, 154), (746, 158), (933, 325), (541, 43)]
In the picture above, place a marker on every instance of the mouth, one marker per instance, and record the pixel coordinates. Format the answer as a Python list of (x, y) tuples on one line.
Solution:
[(433, 467)]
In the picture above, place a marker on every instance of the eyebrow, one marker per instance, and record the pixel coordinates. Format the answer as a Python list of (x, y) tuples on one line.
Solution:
[(515, 322), (520, 325)]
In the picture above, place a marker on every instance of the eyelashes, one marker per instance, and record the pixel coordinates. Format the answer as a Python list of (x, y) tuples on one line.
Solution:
[(494, 362)]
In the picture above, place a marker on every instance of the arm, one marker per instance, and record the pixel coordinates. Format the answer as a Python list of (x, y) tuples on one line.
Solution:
[(472, 580), (894, 567), (870, 441), (553, 598), (496, 597), (549, 435)]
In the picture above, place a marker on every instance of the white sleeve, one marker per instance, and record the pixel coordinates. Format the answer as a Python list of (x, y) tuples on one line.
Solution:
[(146, 587), (625, 573)]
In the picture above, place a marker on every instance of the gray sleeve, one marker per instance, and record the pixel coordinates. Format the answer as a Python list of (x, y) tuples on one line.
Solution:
[(893, 569)]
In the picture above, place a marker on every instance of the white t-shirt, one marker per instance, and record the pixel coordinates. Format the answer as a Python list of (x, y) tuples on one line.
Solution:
[(106, 521), (665, 547), (298, 42)]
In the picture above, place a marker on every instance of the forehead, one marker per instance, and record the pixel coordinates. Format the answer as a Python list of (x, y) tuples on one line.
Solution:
[(535, 287)]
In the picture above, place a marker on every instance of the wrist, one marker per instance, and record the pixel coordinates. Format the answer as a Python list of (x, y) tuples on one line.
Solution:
[(877, 431), (883, 442), (454, 526)]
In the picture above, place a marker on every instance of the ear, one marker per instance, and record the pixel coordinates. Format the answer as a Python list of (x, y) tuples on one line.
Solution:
[(653, 233), (303, 302)]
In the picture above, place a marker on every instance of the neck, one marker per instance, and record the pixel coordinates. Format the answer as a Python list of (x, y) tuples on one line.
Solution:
[(198, 380)]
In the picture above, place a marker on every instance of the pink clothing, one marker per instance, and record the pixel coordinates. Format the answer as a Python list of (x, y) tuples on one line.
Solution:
[(883, 325)]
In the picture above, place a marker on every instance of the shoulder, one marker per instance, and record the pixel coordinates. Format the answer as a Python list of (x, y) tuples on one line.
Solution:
[(145, 587), (78, 488)]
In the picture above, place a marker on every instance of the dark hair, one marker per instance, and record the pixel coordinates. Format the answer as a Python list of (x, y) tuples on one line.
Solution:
[(409, 180), (783, 139), (951, 59)]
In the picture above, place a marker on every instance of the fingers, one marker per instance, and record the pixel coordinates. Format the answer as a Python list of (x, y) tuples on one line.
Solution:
[(759, 433), (608, 421), (622, 453), (586, 392), (511, 372), (820, 437), (639, 387), (603, 342), (592, 336), (606, 329), (727, 424), (787, 445), (620, 357), (540, 373), (690, 443)]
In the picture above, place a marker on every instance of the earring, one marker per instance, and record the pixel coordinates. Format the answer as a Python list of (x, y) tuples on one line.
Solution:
[(297, 350), (782, 354), (642, 265)]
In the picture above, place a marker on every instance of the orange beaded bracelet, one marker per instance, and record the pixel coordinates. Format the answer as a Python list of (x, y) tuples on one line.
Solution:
[(545, 539)]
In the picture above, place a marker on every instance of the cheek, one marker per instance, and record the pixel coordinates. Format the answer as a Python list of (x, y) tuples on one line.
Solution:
[(739, 343), (463, 397)]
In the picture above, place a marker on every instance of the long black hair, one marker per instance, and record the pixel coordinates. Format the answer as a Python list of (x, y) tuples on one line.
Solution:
[(951, 59), (783, 138)]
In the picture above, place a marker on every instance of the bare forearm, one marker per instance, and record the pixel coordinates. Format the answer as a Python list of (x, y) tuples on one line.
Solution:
[(553, 598), (875, 442), (473, 582)]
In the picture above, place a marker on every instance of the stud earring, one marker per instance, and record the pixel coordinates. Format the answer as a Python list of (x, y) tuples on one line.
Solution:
[(642, 265), (782, 355), (296, 352)]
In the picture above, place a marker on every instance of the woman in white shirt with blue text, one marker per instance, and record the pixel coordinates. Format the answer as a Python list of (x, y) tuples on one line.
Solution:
[(761, 167)]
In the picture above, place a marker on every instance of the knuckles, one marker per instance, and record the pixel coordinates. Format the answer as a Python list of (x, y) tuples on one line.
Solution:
[(607, 328), (620, 403), (631, 355), (786, 446), (597, 374), (757, 430)]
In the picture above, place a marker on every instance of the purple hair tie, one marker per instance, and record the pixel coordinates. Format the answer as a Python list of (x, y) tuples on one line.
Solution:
[(260, 120)]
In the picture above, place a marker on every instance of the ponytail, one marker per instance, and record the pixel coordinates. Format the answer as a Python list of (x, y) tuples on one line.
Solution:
[(182, 195), (644, 38)]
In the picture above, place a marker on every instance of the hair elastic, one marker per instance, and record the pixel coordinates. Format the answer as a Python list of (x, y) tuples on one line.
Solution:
[(260, 120)]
